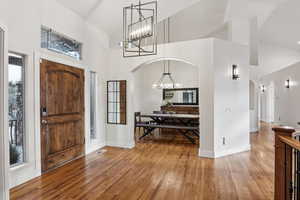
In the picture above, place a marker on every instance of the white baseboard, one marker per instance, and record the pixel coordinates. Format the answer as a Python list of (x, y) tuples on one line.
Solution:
[(119, 145), (227, 152), (23, 178), (206, 154), (254, 130), (95, 148)]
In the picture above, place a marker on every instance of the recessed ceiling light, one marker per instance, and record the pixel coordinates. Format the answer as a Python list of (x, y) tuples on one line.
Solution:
[(298, 42)]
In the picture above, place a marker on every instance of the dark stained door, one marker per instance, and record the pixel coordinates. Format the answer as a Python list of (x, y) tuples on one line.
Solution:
[(62, 114)]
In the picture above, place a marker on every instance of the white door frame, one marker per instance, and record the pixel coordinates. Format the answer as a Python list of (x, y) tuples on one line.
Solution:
[(4, 149)]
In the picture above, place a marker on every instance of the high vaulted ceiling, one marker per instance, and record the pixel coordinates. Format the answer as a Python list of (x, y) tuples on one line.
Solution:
[(278, 19), (283, 26), (107, 14)]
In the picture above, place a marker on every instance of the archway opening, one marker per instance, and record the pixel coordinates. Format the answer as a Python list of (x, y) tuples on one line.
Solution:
[(148, 99)]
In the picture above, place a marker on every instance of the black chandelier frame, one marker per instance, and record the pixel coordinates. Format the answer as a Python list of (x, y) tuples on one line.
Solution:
[(135, 47)]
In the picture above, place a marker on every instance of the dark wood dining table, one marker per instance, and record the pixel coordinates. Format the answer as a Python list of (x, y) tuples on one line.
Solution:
[(184, 123)]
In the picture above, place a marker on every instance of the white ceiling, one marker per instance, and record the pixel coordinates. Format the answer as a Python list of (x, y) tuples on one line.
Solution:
[(283, 26), (81, 7), (278, 19), (108, 14)]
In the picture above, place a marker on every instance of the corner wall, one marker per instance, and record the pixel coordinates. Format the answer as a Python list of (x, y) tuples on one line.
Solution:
[(231, 99)]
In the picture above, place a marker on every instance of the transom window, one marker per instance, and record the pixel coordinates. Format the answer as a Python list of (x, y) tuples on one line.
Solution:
[(16, 108), (60, 43)]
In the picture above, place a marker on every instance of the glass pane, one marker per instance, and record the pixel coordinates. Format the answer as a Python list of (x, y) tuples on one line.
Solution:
[(118, 118), (16, 108), (60, 43), (112, 118), (117, 86), (111, 107), (44, 38), (110, 86), (93, 105), (114, 97), (118, 107), (111, 96), (118, 97)]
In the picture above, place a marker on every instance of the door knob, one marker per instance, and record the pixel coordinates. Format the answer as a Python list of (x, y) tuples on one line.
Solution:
[(44, 121)]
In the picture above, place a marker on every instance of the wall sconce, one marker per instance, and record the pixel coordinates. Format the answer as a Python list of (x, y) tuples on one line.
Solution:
[(235, 72), (288, 83), (263, 88)]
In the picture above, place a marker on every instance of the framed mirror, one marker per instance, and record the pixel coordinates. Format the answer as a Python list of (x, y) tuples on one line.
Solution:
[(181, 96), (116, 102)]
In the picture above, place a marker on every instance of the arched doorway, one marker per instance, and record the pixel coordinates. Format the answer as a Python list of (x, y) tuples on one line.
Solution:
[(148, 99)]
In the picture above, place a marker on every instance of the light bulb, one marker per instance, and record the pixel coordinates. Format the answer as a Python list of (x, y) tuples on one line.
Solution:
[(154, 86)]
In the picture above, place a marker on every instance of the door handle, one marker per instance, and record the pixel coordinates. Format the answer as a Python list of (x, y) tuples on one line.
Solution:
[(44, 121)]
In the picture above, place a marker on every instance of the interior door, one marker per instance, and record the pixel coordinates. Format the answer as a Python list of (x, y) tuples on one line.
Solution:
[(62, 114)]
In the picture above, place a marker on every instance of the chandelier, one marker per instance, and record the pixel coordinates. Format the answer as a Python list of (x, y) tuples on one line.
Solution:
[(166, 81), (139, 29)]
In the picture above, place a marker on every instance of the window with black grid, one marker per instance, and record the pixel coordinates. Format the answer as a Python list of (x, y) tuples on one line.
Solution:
[(116, 102)]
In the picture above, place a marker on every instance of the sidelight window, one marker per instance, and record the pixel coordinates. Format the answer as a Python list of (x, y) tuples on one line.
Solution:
[(93, 83), (16, 108), (116, 105)]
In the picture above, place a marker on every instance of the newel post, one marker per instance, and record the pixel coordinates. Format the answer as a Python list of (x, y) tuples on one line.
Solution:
[(283, 163)]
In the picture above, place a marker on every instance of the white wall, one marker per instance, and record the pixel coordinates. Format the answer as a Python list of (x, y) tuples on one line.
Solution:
[(286, 100), (23, 20), (231, 99), (254, 106), (196, 52), (224, 103), (148, 99)]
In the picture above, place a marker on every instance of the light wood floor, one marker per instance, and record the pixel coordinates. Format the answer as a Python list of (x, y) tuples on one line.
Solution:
[(161, 169)]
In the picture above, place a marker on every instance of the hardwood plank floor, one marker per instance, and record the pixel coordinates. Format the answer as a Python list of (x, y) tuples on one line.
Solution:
[(163, 168)]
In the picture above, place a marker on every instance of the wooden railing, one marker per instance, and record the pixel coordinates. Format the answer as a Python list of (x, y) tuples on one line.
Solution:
[(287, 164)]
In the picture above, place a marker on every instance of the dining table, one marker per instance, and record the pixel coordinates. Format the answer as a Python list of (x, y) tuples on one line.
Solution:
[(185, 124)]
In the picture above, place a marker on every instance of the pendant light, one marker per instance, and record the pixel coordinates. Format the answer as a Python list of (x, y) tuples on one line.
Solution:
[(166, 81), (139, 29)]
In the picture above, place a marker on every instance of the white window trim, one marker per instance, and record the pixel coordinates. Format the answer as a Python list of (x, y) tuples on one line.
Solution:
[(26, 146), (4, 150), (92, 145)]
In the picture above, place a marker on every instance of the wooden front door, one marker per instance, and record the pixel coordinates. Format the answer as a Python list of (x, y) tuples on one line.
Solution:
[(62, 114)]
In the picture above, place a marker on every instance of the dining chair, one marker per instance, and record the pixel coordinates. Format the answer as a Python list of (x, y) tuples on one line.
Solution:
[(137, 118), (159, 112), (138, 122)]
